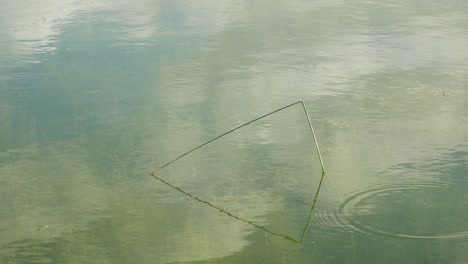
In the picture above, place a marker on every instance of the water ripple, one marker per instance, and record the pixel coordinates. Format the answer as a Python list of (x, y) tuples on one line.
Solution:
[(329, 222), (406, 210)]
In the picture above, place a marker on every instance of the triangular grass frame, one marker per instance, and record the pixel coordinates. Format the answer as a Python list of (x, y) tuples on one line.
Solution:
[(154, 174)]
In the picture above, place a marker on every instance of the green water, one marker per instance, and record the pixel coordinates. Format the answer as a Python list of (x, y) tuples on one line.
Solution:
[(96, 95)]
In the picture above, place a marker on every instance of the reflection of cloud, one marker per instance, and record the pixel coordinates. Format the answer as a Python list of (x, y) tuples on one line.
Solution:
[(30, 27), (213, 16), (138, 22), (45, 191), (50, 193)]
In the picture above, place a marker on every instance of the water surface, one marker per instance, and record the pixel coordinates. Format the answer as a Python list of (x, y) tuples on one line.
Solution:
[(94, 96)]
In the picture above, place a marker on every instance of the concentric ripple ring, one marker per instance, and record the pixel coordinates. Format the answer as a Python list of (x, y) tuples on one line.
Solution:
[(382, 209)]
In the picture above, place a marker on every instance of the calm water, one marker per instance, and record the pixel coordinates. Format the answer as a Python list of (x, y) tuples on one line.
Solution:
[(96, 95)]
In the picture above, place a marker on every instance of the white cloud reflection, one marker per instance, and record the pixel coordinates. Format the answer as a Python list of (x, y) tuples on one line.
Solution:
[(31, 27), (52, 193)]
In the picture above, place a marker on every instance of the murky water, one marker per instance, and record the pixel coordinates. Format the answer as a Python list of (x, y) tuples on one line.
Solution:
[(96, 95)]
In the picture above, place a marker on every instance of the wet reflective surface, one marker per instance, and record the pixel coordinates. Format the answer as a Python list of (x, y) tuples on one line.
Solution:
[(94, 96)]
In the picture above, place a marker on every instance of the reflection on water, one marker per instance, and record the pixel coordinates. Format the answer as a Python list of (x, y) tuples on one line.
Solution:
[(255, 169), (96, 95), (55, 197), (408, 211)]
